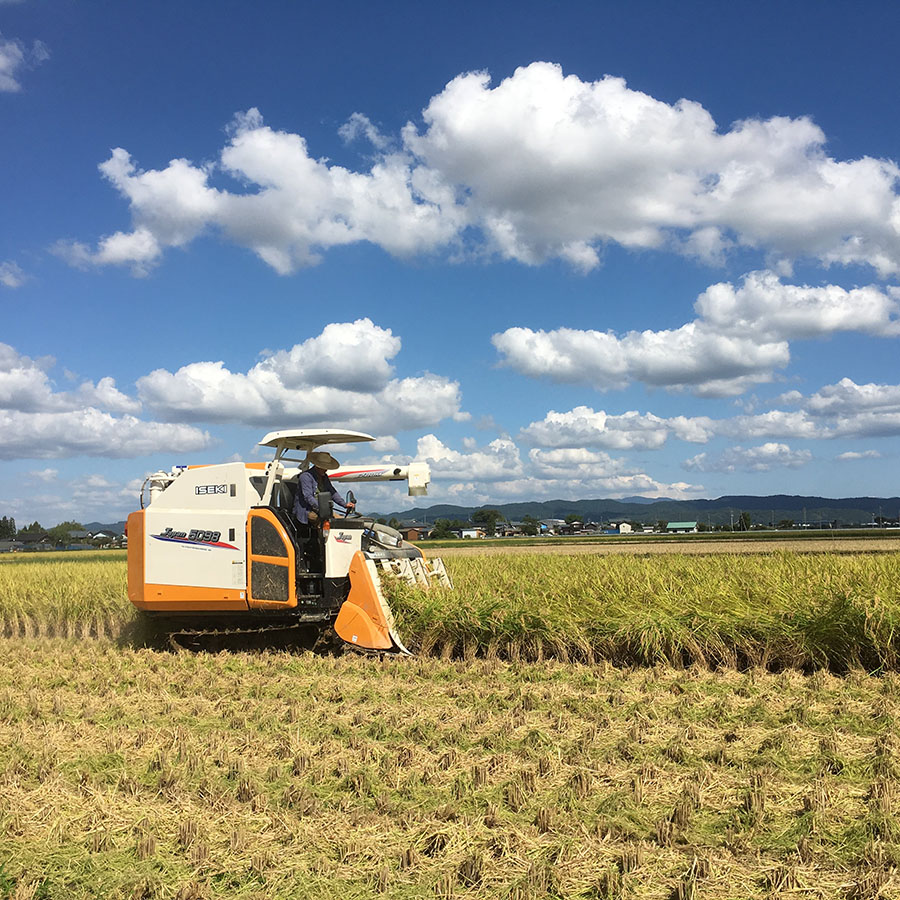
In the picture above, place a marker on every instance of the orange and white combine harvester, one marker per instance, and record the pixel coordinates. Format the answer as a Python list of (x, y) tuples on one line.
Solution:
[(217, 550)]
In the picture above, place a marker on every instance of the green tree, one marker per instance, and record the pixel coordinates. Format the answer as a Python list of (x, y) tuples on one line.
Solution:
[(489, 518), (571, 518), (441, 530), (530, 525), (34, 528), (7, 528), (786, 523), (662, 525), (745, 521), (394, 523), (60, 533)]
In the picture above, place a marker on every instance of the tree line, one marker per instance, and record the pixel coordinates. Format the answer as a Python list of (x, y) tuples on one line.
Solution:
[(59, 534)]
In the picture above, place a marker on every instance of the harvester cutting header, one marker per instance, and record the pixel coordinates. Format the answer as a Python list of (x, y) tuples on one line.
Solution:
[(218, 549)]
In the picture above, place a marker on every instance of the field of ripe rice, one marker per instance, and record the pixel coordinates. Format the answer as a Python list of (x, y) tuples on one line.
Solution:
[(775, 610), (130, 774), (779, 609)]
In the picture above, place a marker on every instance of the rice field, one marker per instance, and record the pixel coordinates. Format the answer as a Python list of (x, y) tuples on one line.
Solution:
[(138, 774), (775, 610), (573, 726)]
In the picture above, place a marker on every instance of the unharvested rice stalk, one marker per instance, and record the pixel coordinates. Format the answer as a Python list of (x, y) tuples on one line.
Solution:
[(64, 595), (776, 610)]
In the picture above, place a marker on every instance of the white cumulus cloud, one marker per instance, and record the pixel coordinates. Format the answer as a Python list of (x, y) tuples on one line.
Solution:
[(752, 459), (25, 385), (342, 375), (297, 206), (90, 432), (554, 166), (497, 471), (15, 56), (740, 338), (858, 454), (764, 304), (11, 275), (498, 461), (541, 165), (585, 427), (847, 398), (39, 422)]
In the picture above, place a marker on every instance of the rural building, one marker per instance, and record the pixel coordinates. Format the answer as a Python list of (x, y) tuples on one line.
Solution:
[(508, 529), (10, 546), (472, 533), (681, 527), (620, 527)]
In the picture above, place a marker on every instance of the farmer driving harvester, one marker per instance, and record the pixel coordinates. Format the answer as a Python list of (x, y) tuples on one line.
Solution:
[(315, 481)]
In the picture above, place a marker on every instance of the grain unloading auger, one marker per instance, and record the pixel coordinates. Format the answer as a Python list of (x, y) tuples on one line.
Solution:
[(217, 550)]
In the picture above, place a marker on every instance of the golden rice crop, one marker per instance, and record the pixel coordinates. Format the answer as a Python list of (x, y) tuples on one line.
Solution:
[(64, 593), (776, 609)]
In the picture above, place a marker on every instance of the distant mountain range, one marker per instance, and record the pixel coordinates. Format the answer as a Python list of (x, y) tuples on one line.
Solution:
[(721, 511), (115, 528)]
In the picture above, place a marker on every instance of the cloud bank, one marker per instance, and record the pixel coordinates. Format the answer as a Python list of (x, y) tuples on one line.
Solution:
[(741, 337), (498, 472), (540, 166), (342, 375)]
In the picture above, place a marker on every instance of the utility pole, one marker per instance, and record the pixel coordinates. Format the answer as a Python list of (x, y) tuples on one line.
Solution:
[(731, 516)]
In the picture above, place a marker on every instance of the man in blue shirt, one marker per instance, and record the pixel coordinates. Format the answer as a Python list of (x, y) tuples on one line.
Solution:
[(313, 481)]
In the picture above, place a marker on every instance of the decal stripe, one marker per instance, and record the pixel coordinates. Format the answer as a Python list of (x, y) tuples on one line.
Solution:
[(173, 540)]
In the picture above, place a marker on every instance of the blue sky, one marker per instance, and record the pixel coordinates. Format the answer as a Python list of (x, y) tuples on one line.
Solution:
[(569, 250)]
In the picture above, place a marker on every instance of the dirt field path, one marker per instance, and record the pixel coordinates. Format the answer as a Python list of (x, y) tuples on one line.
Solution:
[(694, 547)]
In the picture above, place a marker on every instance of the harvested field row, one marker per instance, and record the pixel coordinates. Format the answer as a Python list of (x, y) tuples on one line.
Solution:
[(130, 774), (682, 546), (775, 610)]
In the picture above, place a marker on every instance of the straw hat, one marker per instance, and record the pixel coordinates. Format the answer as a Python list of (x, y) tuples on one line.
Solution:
[(322, 460)]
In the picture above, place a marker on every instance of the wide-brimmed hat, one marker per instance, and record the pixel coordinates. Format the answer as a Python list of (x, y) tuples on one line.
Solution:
[(322, 459)]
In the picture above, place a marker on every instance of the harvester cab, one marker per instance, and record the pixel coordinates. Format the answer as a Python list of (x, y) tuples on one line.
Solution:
[(217, 549)]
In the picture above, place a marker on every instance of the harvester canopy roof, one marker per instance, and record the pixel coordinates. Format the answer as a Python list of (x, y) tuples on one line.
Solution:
[(305, 439)]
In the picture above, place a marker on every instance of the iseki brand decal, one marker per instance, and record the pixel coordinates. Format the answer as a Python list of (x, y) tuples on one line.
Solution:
[(196, 537), (342, 538), (210, 489)]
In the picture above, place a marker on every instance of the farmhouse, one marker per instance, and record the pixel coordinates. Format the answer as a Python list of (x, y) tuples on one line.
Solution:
[(620, 528), (681, 527)]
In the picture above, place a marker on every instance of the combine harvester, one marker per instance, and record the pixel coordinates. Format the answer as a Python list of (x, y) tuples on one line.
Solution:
[(217, 551)]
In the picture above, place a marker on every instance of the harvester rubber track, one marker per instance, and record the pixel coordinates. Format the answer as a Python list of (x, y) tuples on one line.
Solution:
[(214, 639)]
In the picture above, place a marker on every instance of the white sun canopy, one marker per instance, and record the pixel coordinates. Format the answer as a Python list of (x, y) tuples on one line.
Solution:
[(306, 439)]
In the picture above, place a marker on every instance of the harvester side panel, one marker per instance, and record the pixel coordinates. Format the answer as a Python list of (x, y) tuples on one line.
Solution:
[(134, 528), (194, 542), (204, 548)]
